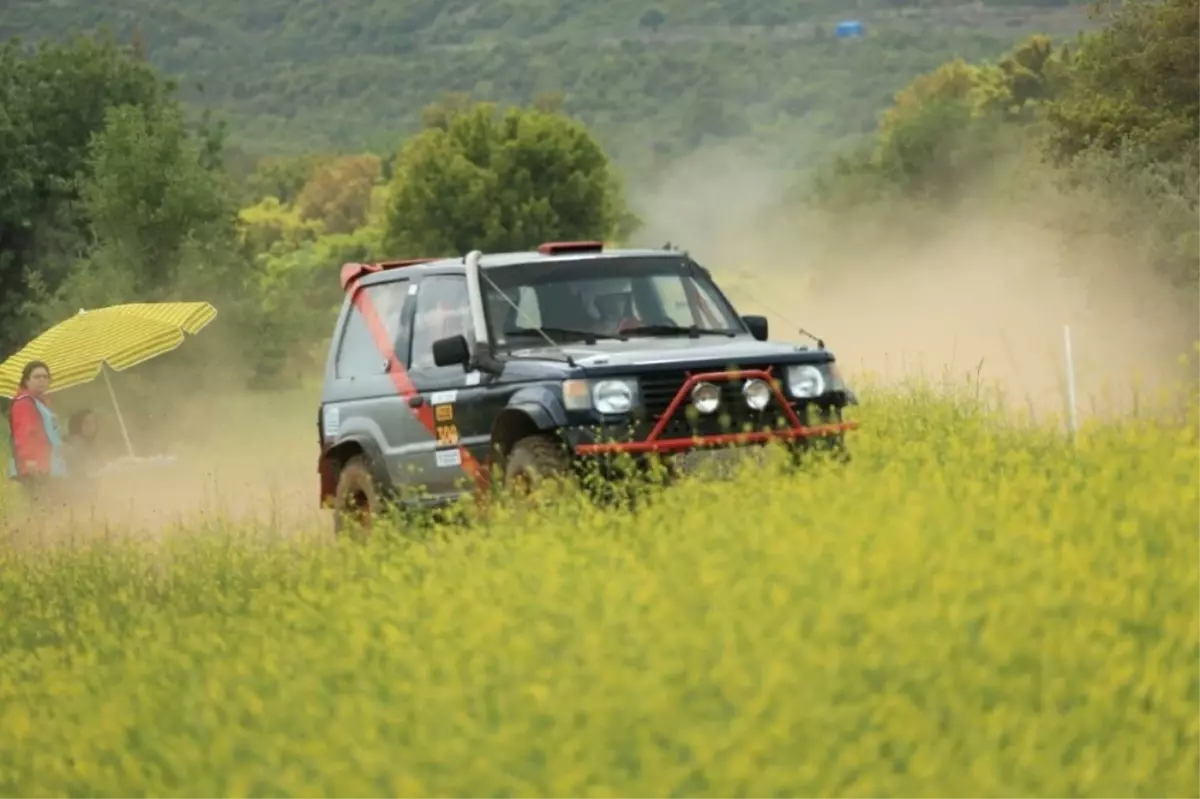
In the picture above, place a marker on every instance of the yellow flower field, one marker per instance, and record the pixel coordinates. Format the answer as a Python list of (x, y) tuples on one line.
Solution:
[(969, 608)]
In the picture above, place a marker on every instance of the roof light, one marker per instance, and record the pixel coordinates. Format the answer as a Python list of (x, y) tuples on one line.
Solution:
[(563, 247), (353, 271)]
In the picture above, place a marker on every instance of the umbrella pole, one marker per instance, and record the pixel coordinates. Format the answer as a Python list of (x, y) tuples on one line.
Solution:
[(116, 407)]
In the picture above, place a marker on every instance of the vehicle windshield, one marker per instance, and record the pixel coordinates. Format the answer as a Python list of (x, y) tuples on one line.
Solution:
[(574, 300)]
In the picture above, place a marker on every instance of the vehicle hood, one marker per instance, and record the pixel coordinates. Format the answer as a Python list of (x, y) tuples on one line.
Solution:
[(613, 355)]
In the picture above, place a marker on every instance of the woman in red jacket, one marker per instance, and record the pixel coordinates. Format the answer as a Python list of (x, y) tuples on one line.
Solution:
[(37, 447)]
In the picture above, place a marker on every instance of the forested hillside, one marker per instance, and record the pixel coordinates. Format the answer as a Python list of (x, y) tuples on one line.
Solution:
[(110, 191), (653, 79)]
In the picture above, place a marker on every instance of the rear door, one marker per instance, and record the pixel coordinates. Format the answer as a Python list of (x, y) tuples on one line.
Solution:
[(364, 396)]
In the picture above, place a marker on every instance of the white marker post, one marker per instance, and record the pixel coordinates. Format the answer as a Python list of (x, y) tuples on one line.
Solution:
[(1072, 413)]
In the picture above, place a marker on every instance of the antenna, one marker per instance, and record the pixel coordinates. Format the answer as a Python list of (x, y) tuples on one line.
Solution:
[(820, 342)]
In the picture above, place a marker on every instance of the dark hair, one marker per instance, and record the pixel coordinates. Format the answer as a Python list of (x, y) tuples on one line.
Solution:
[(75, 423), (27, 372)]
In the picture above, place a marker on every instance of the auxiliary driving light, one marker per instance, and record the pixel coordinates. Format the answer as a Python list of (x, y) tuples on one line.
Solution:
[(706, 397), (757, 394)]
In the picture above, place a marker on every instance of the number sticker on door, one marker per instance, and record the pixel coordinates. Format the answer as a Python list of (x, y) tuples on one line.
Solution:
[(447, 435)]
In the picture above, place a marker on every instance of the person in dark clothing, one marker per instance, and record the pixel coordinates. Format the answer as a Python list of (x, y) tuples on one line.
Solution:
[(82, 449)]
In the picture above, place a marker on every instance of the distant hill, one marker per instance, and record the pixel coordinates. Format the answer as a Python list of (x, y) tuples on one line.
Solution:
[(653, 79)]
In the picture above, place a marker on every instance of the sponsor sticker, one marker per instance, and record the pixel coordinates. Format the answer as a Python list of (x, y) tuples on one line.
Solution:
[(448, 457)]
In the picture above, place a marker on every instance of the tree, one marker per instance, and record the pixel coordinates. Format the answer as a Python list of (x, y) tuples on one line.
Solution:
[(53, 102), (1134, 83), (339, 192), (652, 19), (160, 219), (281, 178), (479, 180)]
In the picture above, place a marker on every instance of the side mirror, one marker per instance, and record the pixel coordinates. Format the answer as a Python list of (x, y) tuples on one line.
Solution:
[(451, 350), (757, 325)]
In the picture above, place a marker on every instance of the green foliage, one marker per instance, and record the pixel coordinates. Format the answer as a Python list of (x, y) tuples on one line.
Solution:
[(300, 77), (157, 214), (338, 193), (55, 99), (1135, 84), (947, 125), (478, 180), (281, 177), (1115, 119), (966, 610)]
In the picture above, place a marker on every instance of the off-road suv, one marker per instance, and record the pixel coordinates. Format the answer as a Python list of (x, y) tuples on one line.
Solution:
[(528, 364)]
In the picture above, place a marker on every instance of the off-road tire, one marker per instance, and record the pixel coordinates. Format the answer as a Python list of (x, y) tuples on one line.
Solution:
[(356, 502), (535, 463)]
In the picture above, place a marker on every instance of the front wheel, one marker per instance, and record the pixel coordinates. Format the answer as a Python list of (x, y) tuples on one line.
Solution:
[(536, 463), (356, 502)]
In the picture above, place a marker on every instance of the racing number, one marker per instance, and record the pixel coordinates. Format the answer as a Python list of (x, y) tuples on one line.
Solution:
[(447, 435)]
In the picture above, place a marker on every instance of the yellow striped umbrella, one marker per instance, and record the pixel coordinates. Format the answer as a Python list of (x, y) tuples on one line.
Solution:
[(119, 337)]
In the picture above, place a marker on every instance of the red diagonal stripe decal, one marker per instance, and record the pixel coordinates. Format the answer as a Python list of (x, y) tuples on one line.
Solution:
[(400, 379)]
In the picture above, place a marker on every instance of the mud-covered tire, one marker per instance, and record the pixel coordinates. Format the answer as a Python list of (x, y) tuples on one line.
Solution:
[(356, 502), (536, 463)]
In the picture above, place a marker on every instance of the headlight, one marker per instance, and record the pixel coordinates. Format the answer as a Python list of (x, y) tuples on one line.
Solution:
[(706, 397), (805, 381), (612, 396), (757, 394), (605, 396)]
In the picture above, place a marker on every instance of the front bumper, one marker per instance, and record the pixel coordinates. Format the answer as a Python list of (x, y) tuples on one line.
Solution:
[(793, 431)]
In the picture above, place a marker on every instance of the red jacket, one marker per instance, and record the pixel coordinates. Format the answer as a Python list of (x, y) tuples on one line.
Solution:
[(30, 442)]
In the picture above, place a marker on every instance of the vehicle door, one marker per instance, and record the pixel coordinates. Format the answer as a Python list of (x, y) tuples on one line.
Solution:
[(365, 399), (451, 393)]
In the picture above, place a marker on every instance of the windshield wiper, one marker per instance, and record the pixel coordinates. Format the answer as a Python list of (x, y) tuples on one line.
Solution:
[(565, 332), (695, 331)]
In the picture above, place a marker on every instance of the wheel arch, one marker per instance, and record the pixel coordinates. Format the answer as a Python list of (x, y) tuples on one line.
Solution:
[(524, 416), (334, 459)]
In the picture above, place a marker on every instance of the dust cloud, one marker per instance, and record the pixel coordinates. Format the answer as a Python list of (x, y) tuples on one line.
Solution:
[(211, 456), (981, 292)]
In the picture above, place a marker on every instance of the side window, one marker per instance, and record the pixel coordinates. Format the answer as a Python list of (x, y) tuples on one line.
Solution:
[(375, 312), (443, 309)]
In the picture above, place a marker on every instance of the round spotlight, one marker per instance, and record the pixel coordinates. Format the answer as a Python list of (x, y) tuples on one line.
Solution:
[(757, 394), (706, 397)]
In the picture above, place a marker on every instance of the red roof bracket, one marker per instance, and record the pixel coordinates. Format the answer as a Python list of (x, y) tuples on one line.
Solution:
[(563, 247), (352, 271)]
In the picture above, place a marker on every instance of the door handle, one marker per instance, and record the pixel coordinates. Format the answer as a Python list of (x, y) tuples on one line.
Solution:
[(416, 401)]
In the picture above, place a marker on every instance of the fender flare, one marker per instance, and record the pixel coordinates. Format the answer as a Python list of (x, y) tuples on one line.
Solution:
[(541, 405)]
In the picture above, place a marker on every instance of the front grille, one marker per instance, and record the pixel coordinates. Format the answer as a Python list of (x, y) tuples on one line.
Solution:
[(659, 388)]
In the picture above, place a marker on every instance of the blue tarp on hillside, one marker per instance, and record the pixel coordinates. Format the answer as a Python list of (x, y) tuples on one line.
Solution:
[(848, 29)]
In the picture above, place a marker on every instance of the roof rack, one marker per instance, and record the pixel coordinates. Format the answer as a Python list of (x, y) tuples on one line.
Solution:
[(353, 271), (564, 247)]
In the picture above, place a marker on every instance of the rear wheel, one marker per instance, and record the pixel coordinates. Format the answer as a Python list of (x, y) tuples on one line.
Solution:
[(356, 502), (537, 463)]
